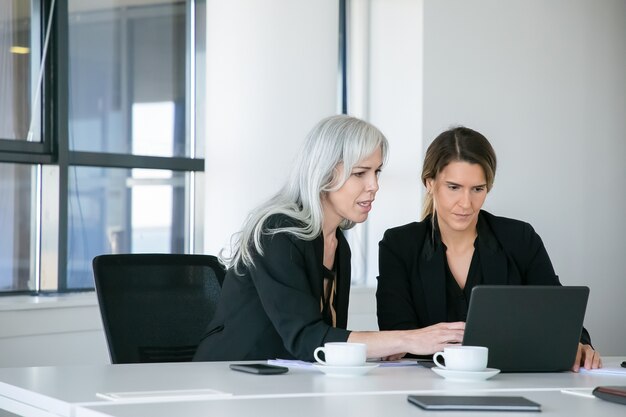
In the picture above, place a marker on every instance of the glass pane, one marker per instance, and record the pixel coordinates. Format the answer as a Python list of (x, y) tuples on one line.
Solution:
[(127, 77), (15, 78), (16, 205), (115, 210)]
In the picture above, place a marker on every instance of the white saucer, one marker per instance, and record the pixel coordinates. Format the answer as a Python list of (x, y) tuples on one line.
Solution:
[(466, 375), (345, 370)]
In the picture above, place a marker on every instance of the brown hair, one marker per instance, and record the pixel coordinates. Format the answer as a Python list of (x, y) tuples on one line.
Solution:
[(458, 144)]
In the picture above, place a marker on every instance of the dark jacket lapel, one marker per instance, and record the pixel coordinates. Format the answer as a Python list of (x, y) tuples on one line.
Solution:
[(493, 260), (343, 280), (431, 269), (318, 283)]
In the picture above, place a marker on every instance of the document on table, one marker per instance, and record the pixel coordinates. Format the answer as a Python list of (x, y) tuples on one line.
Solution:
[(605, 371), (167, 395), (292, 363)]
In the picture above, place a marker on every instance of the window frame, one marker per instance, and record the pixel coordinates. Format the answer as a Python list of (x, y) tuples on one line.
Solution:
[(21, 150)]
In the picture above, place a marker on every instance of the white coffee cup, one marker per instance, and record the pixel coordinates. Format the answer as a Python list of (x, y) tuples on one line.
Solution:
[(463, 358), (342, 354)]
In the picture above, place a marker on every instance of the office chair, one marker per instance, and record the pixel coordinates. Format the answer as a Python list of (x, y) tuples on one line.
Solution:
[(156, 307)]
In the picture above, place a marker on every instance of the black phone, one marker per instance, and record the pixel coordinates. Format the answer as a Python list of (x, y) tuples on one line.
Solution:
[(259, 368), (612, 393)]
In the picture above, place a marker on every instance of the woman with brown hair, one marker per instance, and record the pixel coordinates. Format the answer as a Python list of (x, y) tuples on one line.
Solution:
[(428, 268)]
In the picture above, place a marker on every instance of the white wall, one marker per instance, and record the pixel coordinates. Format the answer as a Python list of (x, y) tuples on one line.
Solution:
[(40, 331), (545, 81), (389, 39), (271, 75)]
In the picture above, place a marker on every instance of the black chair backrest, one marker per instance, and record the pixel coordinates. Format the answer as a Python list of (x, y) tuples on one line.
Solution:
[(156, 307)]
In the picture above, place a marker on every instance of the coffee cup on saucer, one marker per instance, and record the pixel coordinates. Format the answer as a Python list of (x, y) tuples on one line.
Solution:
[(342, 354), (463, 358)]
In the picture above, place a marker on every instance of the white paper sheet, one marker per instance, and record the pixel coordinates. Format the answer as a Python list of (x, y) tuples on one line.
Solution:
[(166, 395)]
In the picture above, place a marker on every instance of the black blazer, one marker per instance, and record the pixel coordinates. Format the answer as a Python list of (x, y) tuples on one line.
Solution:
[(273, 309), (411, 289)]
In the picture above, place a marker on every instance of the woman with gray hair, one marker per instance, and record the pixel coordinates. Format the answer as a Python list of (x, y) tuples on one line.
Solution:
[(288, 282)]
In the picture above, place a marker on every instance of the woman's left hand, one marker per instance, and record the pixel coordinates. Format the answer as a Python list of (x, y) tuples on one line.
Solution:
[(587, 358)]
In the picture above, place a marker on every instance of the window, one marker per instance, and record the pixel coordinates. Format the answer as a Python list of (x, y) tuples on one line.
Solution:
[(16, 214), (15, 64), (101, 156), (127, 79)]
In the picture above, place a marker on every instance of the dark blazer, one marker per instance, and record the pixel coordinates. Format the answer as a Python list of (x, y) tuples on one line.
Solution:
[(411, 289), (272, 310)]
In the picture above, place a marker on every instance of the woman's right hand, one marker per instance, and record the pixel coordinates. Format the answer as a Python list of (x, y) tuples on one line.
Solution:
[(392, 344), (431, 339)]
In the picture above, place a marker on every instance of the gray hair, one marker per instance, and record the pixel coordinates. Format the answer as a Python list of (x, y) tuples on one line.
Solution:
[(335, 140)]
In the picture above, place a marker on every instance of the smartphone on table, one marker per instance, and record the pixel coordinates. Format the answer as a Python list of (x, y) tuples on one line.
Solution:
[(259, 368)]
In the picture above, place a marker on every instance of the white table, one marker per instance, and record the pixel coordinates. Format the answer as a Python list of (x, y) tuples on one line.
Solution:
[(553, 404), (59, 391)]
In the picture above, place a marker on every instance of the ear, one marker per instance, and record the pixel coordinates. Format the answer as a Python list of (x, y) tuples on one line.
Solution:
[(430, 185)]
